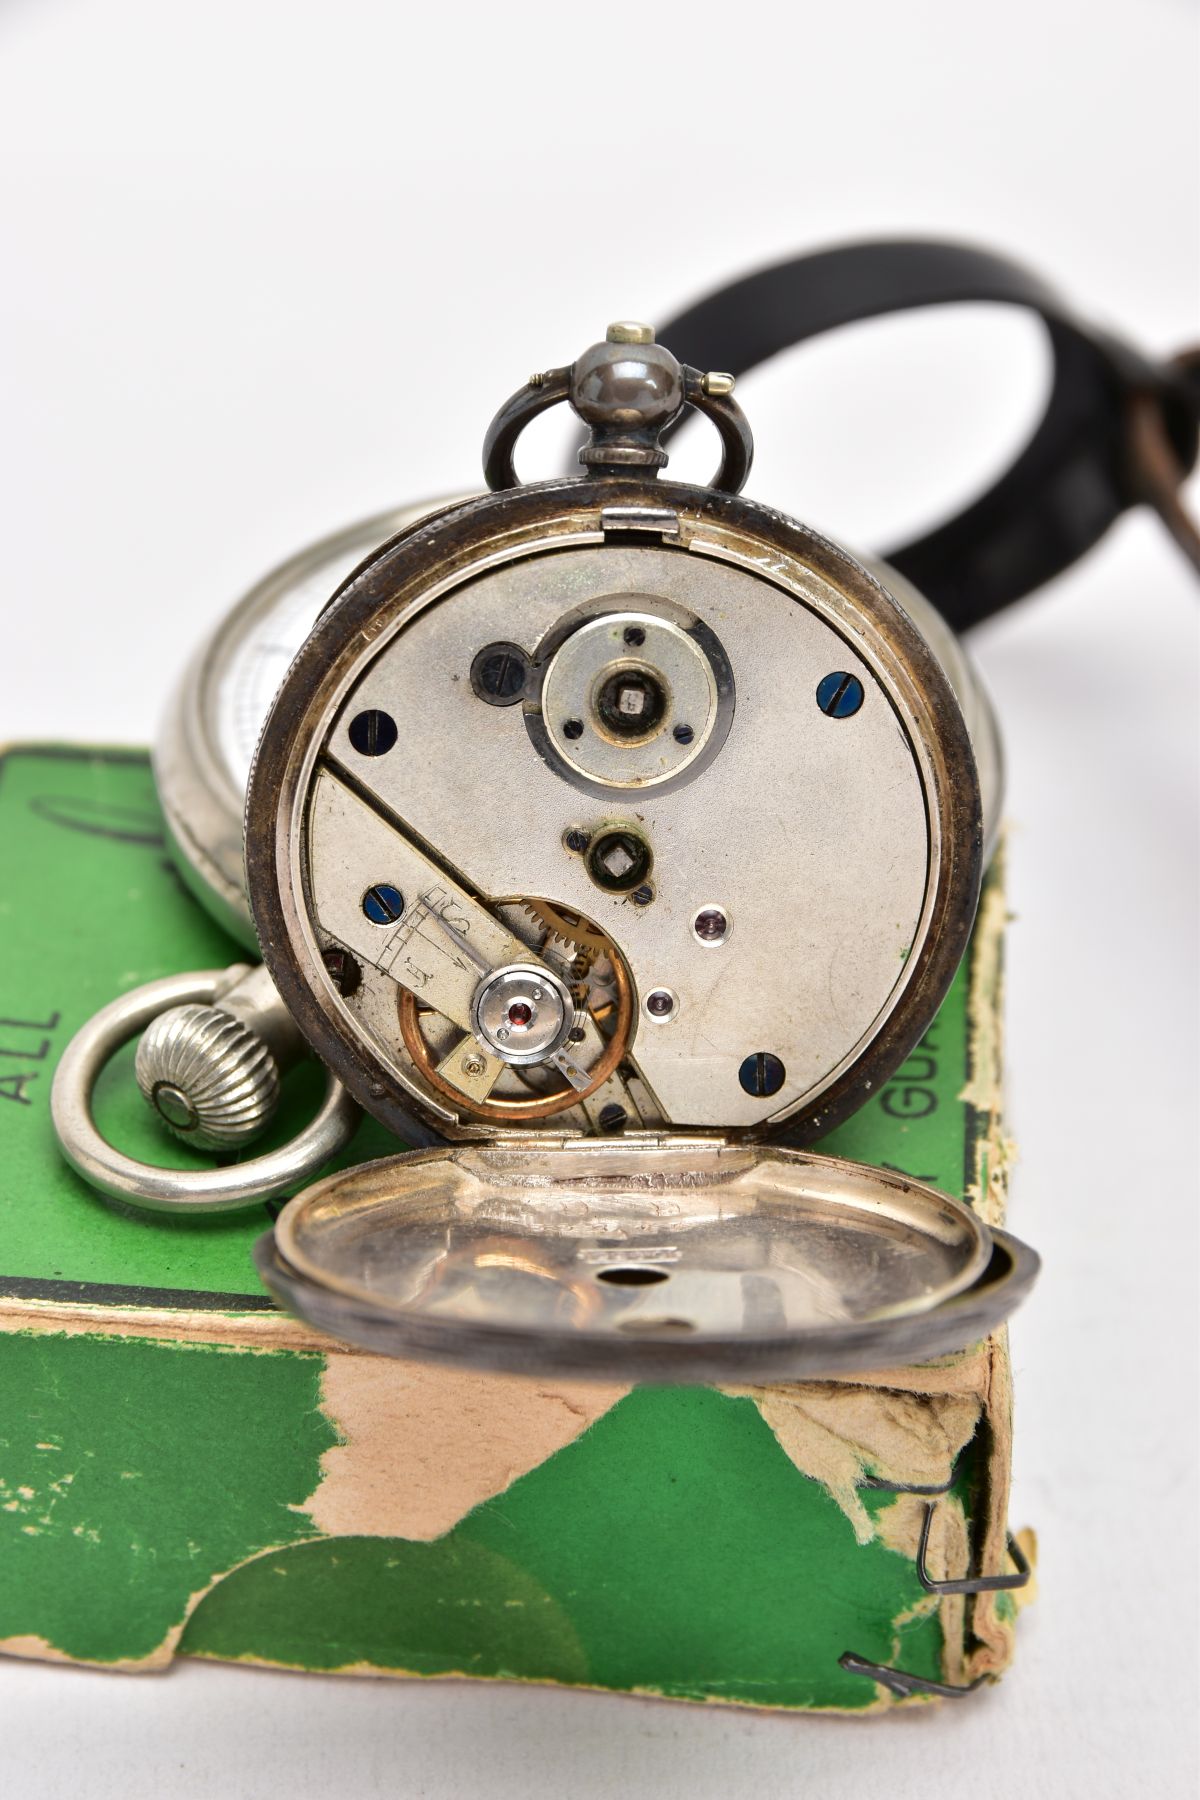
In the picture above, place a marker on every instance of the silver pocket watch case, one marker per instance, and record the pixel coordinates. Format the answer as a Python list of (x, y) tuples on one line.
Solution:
[(613, 838), (677, 1261)]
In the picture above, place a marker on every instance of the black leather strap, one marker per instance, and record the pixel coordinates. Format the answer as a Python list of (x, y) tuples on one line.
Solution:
[(1120, 428)]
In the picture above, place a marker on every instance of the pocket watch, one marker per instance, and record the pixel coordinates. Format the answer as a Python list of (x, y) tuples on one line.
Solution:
[(610, 839)]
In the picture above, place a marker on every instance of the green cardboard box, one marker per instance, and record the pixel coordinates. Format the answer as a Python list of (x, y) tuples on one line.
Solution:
[(185, 1470)]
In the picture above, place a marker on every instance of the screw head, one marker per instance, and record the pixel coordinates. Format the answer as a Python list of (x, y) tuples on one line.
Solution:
[(634, 636), (839, 695), (473, 1063), (612, 1117), (573, 728), (383, 903), (711, 925), (643, 895), (683, 734), (373, 733), (499, 673), (576, 840), (660, 1004), (762, 1074)]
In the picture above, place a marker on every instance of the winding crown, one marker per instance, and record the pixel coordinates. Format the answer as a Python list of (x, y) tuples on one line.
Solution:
[(210, 1078)]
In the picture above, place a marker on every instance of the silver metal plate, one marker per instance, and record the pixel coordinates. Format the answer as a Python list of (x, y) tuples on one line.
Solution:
[(680, 1260), (812, 835)]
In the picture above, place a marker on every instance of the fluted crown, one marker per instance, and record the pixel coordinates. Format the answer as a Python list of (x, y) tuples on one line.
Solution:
[(212, 1080)]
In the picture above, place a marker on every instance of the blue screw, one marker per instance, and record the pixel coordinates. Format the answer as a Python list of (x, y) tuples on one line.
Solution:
[(383, 903), (762, 1074), (373, 733), (839, 695)]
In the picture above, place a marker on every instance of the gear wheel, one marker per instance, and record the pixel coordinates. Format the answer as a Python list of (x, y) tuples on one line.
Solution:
[(584, 940)]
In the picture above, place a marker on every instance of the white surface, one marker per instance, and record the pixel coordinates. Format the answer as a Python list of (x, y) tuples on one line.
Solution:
[(245, 246)]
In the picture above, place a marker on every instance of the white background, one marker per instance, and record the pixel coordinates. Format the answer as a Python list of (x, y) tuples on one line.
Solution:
[(269, 267)]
